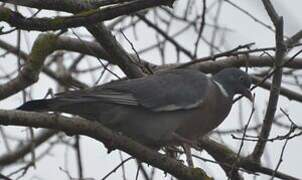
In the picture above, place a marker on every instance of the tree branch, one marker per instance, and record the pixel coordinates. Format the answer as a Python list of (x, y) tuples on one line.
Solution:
[(42, 47), (226, 157), (130, 66), (65, 5), (97, 131), (85, 18), (281, 51)]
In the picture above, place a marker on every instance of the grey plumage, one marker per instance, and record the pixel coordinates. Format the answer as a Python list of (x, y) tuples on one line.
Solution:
[(153, 109)]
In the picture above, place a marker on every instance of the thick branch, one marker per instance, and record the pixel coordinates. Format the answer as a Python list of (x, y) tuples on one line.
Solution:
[(281, 50), (76, 45), (130, 66), (226, 157), (243, 61), (95, 130), (71, 6), (85, 18), (62, 5), (42, 47), (272, 13)]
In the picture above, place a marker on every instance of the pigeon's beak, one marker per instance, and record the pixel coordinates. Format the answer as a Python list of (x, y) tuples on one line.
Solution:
[(248, 94)]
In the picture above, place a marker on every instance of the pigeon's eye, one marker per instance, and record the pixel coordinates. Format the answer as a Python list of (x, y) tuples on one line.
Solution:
[(241, 78)]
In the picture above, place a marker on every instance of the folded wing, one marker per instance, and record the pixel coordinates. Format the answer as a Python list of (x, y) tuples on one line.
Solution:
[(165, 91)]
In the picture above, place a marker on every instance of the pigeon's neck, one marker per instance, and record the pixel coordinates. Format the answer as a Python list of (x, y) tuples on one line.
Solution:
[(224, 88)]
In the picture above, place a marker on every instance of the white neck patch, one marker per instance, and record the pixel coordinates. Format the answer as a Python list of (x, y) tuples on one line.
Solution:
[(221, 88)]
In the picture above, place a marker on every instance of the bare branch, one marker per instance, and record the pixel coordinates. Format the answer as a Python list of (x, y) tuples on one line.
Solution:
[(130, 65), (99, 132), (30, 72), (281, 51), (89, 17), (226, 157)]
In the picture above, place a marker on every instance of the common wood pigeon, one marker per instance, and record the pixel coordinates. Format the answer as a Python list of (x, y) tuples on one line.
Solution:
[(153, 109)]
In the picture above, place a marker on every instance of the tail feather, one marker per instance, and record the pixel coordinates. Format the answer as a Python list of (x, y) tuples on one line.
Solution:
[(37, 105)]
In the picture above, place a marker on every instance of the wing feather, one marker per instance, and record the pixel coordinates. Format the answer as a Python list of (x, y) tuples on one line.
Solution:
[(166, 91)]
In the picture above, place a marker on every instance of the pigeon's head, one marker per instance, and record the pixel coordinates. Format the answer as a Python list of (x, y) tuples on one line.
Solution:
[(234, 81)]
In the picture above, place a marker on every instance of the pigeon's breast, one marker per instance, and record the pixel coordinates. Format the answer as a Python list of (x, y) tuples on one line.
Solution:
[(208, 116)]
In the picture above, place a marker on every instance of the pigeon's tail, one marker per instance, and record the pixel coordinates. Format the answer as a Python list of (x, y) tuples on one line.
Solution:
[(38, 105)]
